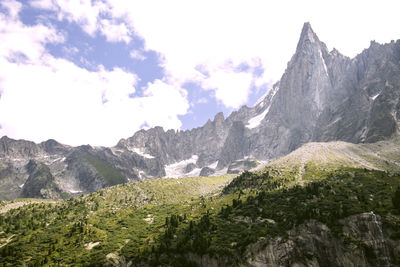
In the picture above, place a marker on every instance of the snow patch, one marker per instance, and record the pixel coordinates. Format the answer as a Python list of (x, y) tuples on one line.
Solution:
[(335, 121), (261, 99), (142, 174), (22, 185), (375, 96), (176, 170), (61, 159), (140, 152), (116, 151), (213, 165), (74, 191), (256, 120), (323, 61), (220, 172), (195, 172)]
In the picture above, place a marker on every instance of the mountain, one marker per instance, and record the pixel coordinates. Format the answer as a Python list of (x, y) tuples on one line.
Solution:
[(322, 96), (324, 204)]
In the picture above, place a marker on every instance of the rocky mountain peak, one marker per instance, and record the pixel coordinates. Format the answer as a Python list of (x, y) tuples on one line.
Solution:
[(308, 38), (307, 32), (17, 148), (52, 146), (305, 84), (219, 117)]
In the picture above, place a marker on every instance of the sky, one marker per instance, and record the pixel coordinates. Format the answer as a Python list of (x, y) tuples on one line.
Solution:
[(95, 71)]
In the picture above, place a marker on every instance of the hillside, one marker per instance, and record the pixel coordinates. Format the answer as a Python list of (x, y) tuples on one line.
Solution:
[(338, 209), (312, 158), (102, 223)]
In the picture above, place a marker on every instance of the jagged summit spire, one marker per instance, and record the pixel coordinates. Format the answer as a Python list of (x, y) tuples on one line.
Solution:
[(306, 28), (307, 38), (307, 35)]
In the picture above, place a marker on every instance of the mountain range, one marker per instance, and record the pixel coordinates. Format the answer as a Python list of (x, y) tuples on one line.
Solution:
[(324, 187), (322, 96)]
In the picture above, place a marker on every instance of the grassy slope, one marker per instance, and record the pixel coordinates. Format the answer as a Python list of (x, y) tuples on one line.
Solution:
[(314, 158), (121, 220), (108, 172)]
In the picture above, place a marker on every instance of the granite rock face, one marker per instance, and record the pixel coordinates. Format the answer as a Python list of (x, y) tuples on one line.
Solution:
[(322, 96), (207, 171), (313, 244), (40, 183), (363, 242), (242, 165)]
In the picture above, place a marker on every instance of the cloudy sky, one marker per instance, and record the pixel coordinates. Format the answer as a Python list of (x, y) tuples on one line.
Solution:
[(92, 72)]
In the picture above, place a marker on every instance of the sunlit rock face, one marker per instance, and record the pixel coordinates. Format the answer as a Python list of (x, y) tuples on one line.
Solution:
[(314, 244)]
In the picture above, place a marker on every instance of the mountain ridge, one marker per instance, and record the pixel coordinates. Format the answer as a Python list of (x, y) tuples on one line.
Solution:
[(322, 96)]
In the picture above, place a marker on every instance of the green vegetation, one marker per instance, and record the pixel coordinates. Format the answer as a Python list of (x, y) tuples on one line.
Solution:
[(396, 199), (271, 212), (122, 220), (108, 172), (162, 221), (268, 179)]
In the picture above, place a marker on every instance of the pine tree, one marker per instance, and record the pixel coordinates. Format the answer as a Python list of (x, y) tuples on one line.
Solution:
[(396, 199)]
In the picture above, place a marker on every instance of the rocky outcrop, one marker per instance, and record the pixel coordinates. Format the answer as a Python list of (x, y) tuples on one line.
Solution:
[(206, 171), (40, 183), (190, 167), (362, 243), (242, 165), (17, 148)]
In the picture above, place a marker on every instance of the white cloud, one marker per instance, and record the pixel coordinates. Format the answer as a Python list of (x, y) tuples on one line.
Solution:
[(202, 100), (162, 103), (231, 88), (208, 33), (84, 12), (44, 97), (43, 4), (60, 100), (70, 51), (12, 6), (114, 32), (135, 54), (20, 40), (88, 14)]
